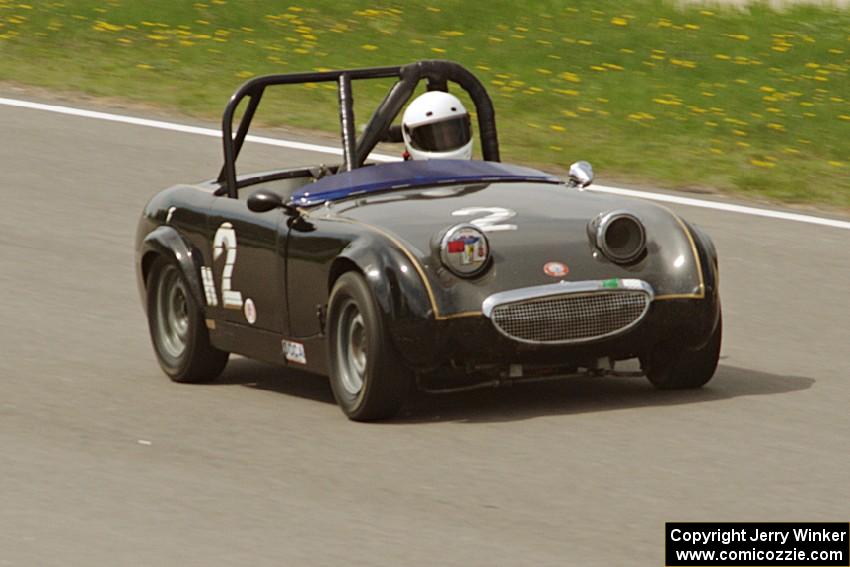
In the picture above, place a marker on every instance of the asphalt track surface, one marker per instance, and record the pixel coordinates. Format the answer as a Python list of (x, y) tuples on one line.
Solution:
[(104, 461)]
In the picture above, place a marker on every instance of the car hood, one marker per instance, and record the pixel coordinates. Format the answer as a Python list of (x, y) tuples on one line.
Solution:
[(530, 225)]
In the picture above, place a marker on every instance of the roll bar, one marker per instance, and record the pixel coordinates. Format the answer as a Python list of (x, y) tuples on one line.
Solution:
[(355, 151)]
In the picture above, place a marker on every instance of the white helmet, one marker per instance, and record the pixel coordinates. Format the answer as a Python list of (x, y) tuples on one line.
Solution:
[(436, 126)]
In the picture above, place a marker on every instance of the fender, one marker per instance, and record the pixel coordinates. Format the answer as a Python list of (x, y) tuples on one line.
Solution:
[(398, 287), (708, 261), (165, 240)]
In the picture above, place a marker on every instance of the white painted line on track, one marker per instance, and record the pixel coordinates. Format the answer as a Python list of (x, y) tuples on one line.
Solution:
[(720, 206), (196, 130)]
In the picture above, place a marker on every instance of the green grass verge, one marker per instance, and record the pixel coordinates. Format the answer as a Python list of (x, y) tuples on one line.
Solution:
[(753, 101)]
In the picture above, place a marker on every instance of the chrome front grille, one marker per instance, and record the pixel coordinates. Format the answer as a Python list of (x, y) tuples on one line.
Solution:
[(571, 317)]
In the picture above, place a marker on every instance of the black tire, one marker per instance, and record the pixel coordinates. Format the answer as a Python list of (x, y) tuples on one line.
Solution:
[(178, 331), (677, 368), (368, 379)]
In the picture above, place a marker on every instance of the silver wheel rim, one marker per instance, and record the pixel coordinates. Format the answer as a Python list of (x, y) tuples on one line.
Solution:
[(172, 313), (351, 347)]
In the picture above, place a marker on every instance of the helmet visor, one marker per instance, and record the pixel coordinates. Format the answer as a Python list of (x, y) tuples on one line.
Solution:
[(441, 136)]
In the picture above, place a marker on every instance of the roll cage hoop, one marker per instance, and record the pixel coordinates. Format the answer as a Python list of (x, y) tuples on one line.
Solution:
[(355, 151)]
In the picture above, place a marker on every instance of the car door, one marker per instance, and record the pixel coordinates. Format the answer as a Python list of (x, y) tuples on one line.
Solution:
[(248, 265)]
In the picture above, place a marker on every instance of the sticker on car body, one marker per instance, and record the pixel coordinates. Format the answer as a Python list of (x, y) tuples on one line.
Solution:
[(293, 351), (250, 311), (556, 269), (224, 242), (492, 222)]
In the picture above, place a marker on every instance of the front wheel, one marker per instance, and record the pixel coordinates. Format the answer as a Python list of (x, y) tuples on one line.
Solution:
[(180, 338), (675, 368), (368, 380)]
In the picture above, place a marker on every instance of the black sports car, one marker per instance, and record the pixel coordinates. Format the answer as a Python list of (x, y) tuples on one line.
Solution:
[(445, 273)]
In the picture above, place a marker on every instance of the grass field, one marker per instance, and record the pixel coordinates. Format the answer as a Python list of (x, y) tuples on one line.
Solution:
[(755, 101)]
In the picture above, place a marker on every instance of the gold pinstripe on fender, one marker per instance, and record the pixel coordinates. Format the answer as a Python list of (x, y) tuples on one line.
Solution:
[(416, 265), (701, 293)]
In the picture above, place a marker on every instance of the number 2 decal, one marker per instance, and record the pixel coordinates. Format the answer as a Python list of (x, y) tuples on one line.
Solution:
[(225, 241), (491, 222)]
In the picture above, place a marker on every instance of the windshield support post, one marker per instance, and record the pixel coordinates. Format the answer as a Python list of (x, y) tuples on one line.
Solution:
[(346, 121)]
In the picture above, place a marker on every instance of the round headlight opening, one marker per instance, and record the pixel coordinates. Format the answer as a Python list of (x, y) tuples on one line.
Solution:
[(621, 237)]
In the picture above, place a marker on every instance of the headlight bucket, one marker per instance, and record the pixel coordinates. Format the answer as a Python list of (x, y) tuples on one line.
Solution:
[(465, 250), (619, 235)]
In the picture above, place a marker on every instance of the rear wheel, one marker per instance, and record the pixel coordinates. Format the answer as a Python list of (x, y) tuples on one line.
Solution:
[(368, 380), (180, 338), (674, 368)]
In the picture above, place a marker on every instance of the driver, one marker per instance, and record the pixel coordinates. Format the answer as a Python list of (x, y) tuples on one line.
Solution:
[(436, 126)]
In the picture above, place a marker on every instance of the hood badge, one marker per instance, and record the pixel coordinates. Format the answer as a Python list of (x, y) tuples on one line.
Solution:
[(556, 269)]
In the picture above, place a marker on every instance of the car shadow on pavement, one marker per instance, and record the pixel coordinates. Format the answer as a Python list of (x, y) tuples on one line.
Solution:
[(586, 395), (526, 401), (289, 381)]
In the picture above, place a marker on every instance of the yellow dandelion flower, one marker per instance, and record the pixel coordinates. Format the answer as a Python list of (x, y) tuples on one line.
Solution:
[(618, 21), (451, 33), (722, 56), (762, 163), (691, 26), (369, 47), (836, 163), (557, 128), (568, 76), (144, 66), (432, 9), (683, 63), (438, 50)]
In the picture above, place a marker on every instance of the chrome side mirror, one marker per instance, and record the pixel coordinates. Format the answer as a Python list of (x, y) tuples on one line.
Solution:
[(581, 174)]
